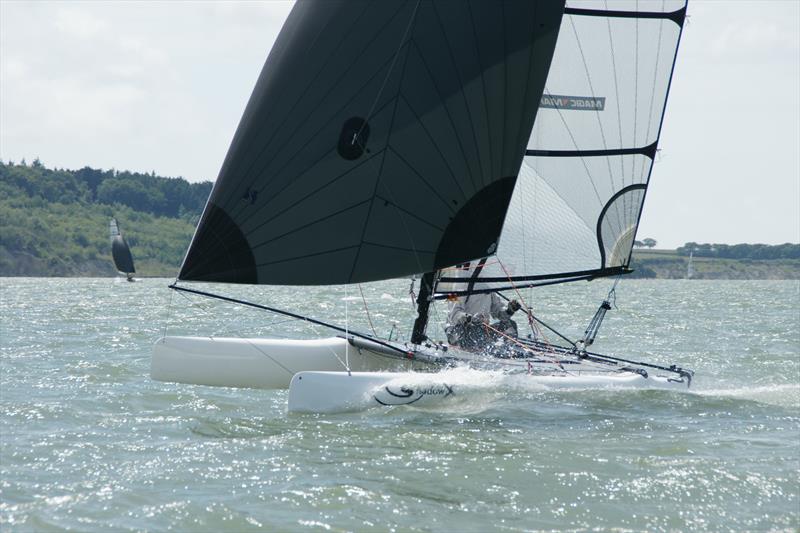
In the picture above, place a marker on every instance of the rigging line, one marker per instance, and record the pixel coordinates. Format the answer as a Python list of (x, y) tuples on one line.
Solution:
[(527, 308), (366, 309), (546, 355), (522, 227), (402, 353), (389, 72), (169, 312), (208, 312), (635, 88), (238, 332), (249, 342), (596, 113), (346, 328), (503, 296)]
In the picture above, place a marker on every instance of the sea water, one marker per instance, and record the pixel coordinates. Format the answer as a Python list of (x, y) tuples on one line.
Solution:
[(89, 443)]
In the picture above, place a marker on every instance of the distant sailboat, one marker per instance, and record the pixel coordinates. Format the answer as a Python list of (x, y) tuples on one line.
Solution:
[(405, 138), (690, 266), (121, 252)]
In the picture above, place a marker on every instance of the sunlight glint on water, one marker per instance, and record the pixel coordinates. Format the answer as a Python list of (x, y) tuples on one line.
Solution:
[(89, 442)]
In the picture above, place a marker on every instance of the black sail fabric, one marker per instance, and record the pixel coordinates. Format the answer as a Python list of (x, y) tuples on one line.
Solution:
[(382, 139), (579, 195), (120, 252)]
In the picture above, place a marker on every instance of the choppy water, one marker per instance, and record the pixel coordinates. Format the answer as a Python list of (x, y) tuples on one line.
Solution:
[(88, 442)]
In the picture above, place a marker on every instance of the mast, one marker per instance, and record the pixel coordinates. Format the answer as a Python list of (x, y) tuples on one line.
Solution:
[(423, 306)]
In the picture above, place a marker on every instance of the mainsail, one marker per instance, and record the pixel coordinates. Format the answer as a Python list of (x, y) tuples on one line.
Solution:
[(382, 139), (577, 202), (120, 252)]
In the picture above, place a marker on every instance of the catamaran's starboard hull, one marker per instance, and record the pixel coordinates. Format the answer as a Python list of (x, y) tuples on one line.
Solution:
[(258, 363), (340, 392)]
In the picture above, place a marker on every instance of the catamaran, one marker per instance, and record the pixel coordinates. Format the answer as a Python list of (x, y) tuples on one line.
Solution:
[(422, 138), (120, 251)]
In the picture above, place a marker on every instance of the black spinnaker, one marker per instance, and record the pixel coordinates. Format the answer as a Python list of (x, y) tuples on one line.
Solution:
[(120, 251), (382, 139)]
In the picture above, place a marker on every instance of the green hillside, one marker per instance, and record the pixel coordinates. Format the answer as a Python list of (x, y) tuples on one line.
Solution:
[(673, 264), (54, 222)]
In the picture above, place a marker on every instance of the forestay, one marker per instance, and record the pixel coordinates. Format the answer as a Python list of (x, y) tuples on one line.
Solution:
[(382, 139), (577, 203)]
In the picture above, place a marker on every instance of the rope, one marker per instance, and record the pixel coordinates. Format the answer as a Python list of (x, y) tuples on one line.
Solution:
[(528, 311), (366, 310), (555, 361), (346, 331)]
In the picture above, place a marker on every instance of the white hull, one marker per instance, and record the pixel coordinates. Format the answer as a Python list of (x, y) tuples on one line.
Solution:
[(258, 363), (339, 392)]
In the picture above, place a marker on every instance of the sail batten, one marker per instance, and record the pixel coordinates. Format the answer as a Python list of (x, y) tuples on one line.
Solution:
[(382, 139)]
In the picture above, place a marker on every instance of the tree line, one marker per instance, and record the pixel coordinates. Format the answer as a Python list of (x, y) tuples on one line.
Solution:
[(54, 222), (741, 251), (161, 196)]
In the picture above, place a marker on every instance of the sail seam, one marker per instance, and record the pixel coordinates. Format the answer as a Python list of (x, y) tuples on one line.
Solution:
[(464, 96), (389, 246), (596, 113), (396, 100), (288, 161), (279, 127), (304, 256), (407, 212), (485, 102), (315, 191), (290, 182), (452, 123), (315, 107), (416, 173), (575, 144), (317, 221), (438, 151)]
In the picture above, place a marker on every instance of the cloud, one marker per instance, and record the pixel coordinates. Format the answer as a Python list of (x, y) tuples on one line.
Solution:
[(150, 85)]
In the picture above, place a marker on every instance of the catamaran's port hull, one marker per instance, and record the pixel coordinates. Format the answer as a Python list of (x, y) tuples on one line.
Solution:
[(260, 363)]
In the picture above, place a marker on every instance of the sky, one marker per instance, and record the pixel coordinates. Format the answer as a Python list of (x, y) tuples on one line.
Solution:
[(160, 86)]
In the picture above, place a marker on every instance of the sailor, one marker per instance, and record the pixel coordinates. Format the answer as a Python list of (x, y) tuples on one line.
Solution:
[(469, 322)]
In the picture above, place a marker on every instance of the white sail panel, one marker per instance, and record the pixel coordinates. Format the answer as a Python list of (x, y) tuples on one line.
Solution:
[(576, 205), (625, 64)]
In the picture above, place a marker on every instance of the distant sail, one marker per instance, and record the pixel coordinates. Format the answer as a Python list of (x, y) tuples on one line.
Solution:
[(382, 139), (579, 196), (121, 253)]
